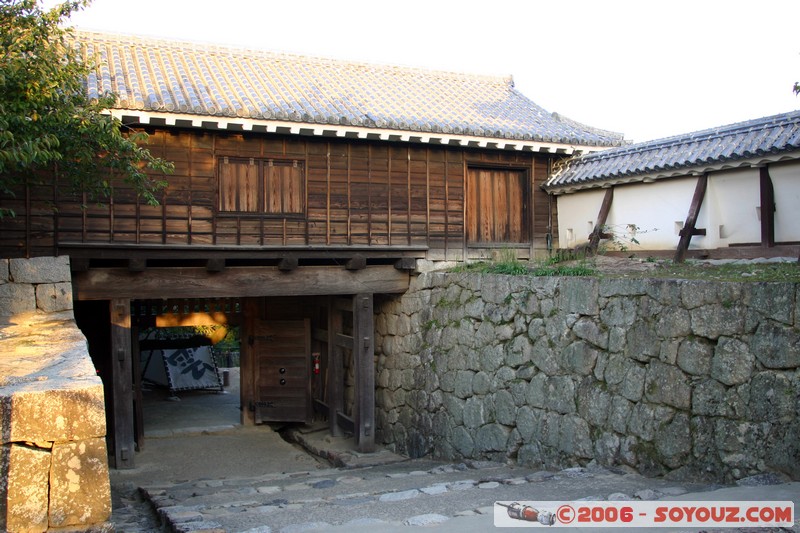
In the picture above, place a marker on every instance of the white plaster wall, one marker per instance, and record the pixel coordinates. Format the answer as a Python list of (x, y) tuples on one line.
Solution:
[(729, 212), (653, 207), (577, 213), (658, 209), (786, 182)]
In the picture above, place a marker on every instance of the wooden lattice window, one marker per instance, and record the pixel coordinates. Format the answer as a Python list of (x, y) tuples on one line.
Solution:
[(266, 186), (498, 201)]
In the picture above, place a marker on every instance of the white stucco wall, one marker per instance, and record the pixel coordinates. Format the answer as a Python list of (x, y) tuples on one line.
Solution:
[(786, 182), (729, 212)]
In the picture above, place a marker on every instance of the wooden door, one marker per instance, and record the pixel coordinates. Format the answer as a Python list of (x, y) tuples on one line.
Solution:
[(282, 353), (497, 206)]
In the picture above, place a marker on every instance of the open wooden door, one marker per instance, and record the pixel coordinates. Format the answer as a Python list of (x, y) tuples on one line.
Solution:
[(282, 357)]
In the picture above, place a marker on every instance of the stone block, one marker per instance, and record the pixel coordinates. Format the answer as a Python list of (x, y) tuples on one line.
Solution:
[(666, 384), (587, 329), (774, 345), (673, 441), (54, 297), (773, 300), (79, 484), (619, 312), (16, 298), (714, 321), (40, 270), (732, 363), (58, 414), (24, 488), (773, 397), (574, 437), (560, 394), (694, 356), (578, 295), (622, 287), (4, 271), (579, 358), (491, 438)]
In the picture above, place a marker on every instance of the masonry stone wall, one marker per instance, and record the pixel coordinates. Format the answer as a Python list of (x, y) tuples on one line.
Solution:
[(689, 379), (53, 459)]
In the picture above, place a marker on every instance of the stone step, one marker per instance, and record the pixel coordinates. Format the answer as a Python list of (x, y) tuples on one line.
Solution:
[(420, 492)]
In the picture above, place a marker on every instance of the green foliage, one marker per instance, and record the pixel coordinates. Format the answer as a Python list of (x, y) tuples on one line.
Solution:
[(47, 122)]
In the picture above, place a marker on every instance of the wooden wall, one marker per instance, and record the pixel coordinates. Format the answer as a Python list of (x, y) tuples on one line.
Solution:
[(358, 193)]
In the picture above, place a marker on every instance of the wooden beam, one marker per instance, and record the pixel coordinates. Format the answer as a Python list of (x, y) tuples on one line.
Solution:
[(408, 264), (602, 216), (357, 262), (216, 264), (235, 282), (767, 208), (122, 383), (364, 361), (287, 264), (691, 218), (137, 264), (335, 376)]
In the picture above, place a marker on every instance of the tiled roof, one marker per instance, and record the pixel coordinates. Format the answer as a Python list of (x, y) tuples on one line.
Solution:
[(258, 87), (764, 138)]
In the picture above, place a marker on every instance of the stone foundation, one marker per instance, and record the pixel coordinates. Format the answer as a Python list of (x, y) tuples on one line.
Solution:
[(53, 460), (688, 379)]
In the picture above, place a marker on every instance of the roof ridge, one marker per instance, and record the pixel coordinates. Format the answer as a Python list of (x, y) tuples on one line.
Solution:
[(181, 44)]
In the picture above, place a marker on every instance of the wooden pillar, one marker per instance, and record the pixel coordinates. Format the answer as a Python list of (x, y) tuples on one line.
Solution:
[(138, 408), (335, 398), (602, 216), (251, 308), (122, 383), (364, 359), (689, 228), (767, 208)]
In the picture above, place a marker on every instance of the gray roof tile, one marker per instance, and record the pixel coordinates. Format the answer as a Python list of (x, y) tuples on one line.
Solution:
[(214, 81), (744, 140)]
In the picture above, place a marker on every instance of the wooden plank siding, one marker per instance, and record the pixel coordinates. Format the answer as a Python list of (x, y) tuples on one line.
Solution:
[(357, 193)]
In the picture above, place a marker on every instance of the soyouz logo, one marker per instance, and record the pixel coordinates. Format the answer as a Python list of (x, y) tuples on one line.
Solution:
[(704, 514)]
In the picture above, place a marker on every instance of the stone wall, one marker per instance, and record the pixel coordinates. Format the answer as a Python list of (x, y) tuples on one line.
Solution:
[(688, 379), (53, 460)]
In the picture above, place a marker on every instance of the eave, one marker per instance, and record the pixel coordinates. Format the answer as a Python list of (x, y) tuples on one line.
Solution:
[(681, 172), (239, 124)]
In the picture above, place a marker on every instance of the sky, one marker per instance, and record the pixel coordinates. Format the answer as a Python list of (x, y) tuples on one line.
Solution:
[(645, 68)]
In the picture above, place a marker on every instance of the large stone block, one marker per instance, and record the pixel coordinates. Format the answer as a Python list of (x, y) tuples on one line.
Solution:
[(732, 363), (41, 270), (79, 484), (3, 271), (58, 414), (24, 488), (776, 346), (16, 298), (667, 385), (54, 297), (578, 295)]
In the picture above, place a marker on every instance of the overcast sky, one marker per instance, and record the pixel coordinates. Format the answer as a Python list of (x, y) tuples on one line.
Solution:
[(648, 69)]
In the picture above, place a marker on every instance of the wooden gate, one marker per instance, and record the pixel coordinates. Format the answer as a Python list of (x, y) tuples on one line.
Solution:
[(282, 352)]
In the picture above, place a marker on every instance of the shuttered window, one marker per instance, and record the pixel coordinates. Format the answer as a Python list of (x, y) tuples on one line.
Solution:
[(261, 186), (497, 206)]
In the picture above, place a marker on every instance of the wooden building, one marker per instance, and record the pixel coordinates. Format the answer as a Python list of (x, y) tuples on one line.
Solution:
[(302, 187), (726, 192)]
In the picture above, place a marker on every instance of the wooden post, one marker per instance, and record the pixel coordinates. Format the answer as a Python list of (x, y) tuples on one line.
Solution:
[(252, 313), (767, 208), (122, 383), (138, 409), (602, 216), (335, 378), (364, 360), (691, 219)]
